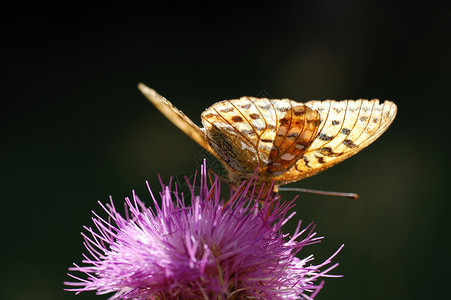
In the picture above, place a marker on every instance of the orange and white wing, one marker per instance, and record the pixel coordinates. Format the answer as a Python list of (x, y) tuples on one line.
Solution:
[(177, 117), (235, 128), (346, 127), (250, 131)]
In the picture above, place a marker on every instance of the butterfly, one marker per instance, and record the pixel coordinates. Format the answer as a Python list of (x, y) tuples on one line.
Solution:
[(287, 140)]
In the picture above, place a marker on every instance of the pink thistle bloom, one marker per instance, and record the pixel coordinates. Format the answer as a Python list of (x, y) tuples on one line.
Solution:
[(206, 250)]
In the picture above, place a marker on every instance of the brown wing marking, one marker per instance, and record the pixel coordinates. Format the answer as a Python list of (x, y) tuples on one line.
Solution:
[(296, 131), (261, 116), (177, 117), (363, 122), (231, 135)]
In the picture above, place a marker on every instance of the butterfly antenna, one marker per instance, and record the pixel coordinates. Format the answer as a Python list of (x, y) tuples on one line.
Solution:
[(327, 193)]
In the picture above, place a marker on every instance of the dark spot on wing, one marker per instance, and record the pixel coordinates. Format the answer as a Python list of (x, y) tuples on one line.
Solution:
[(237, 119), (320, 159), (315, 122), (209, 116), (325, 137), (265, 107), (306, 161), (284, 121), (254, 116), (267, 140), (335, 122), (349, 144), (259, 128), (325, 150), (363, 118), (345, 131)]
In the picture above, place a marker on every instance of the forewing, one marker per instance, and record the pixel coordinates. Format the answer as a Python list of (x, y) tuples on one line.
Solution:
[(177, 117), (346, 127)]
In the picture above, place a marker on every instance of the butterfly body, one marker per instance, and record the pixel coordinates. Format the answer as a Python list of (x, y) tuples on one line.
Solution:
[(285, 139)]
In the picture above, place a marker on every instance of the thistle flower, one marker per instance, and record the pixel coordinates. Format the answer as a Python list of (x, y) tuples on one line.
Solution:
[(206, 250)]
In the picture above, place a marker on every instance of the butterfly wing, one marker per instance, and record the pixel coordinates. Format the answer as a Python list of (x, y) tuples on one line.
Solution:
[(346, 127), (289, 141), (234, 128), (296, 130), (177, 117), (250, 131)]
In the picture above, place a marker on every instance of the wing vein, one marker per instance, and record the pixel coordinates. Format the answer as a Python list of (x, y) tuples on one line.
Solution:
[(226, 121)]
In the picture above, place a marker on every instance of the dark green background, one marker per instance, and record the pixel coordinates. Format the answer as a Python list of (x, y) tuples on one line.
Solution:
[(75, 129)]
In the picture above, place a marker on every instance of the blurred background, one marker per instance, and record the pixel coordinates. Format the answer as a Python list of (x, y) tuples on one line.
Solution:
[(75, 128)]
